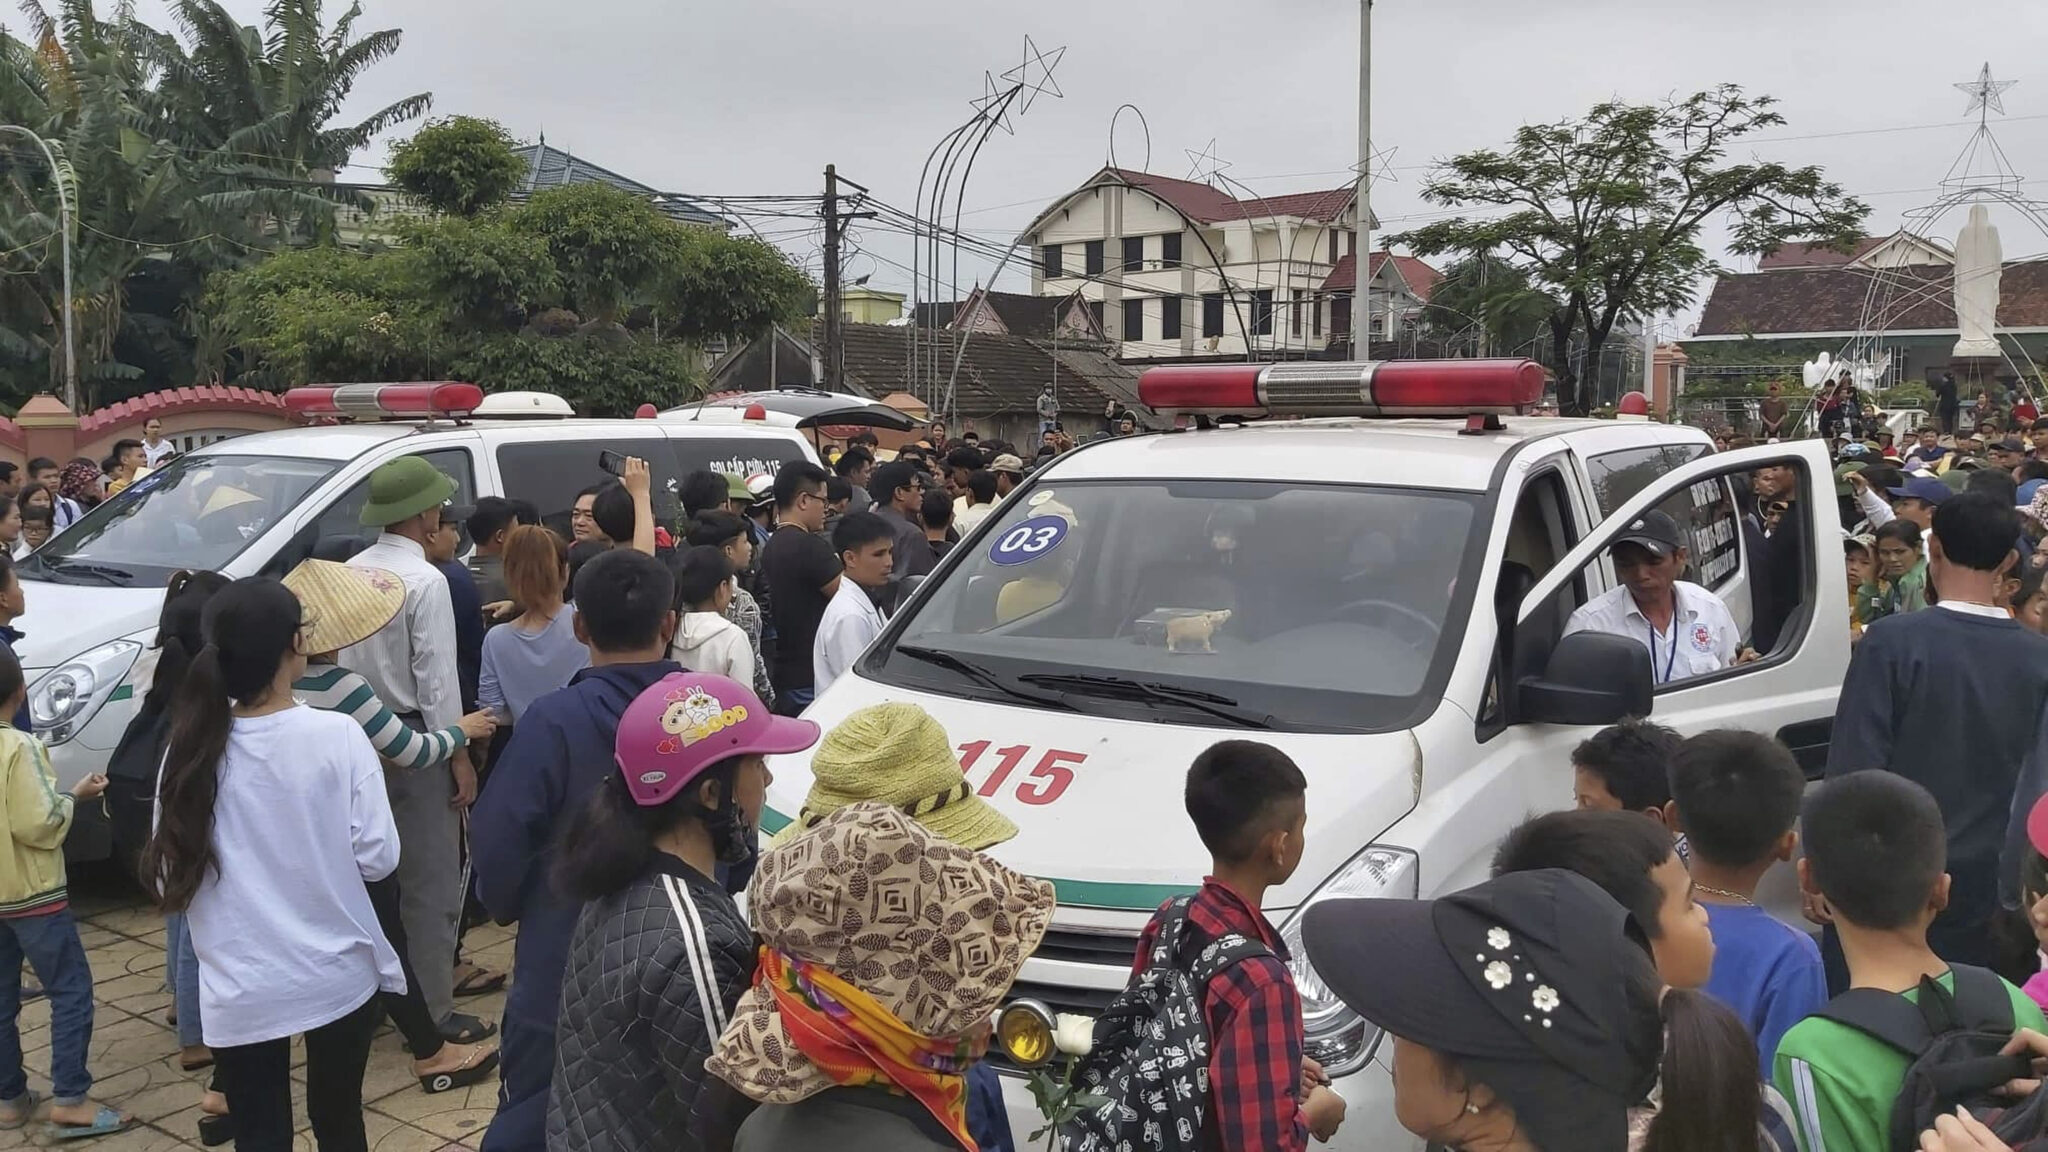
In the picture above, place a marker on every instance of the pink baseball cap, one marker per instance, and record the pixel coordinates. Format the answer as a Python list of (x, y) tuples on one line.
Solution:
[(2037, 825), (686, 722)]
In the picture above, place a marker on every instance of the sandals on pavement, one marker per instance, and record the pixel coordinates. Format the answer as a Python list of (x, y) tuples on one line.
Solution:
[(24, 1110), (474, 1070), (479, 981), (461, 1028), (215, 1131), (105, 1122)]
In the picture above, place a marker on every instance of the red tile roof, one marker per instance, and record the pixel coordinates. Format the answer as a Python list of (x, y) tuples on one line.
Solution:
[(1420, 277), (1307, 205), (1815, 256), (1207, 205), (213, 396), (1835, 300)]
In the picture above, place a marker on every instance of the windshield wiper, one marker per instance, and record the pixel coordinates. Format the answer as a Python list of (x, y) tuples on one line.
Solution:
[(107, 574), (983, 676), (1221, 707)]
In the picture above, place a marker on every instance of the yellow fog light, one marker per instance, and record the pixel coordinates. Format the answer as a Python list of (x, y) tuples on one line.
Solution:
[(1024, 1029)]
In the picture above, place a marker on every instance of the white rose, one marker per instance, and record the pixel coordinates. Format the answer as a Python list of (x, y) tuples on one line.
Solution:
[(1073, 1034)]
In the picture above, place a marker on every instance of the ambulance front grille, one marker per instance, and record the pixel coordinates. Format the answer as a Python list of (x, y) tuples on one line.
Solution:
[(1113, 949)]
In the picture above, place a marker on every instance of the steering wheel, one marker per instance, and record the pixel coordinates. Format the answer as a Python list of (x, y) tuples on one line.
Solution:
[(1411, 619)]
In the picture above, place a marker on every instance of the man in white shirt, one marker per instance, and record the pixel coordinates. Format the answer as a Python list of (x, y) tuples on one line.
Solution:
[(866, 546), (1686, 628), (411, 664), (155, 448)]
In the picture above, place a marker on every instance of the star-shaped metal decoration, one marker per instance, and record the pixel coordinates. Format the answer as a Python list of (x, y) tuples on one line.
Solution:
[(995, 103), (1035, 74), (1986, 95), (1205, 167), (1382, 165)]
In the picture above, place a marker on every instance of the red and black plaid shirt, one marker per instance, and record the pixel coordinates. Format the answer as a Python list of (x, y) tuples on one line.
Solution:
[(1254, 1017)]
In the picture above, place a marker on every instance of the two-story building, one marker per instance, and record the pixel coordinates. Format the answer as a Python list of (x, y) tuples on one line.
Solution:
[(1174, 268)]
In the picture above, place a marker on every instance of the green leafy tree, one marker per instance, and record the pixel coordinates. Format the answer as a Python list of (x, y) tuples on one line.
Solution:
[(459, 297), (1605, 213), (1486, 305), (181, 157), (458, 166)]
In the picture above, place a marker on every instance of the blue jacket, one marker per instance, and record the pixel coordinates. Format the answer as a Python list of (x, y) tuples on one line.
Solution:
[(558, 754)]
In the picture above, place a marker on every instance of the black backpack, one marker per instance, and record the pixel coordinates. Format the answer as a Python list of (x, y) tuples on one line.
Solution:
[(1150, 1059), (1953, 1042)]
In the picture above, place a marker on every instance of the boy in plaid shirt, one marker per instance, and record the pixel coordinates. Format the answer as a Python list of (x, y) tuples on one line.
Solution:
[(1248, 803)]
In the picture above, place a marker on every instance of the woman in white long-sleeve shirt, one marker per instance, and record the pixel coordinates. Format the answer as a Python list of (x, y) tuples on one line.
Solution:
[(270, 818)]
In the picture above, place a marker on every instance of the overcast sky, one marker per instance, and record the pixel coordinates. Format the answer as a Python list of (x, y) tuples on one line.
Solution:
[(756, 97)]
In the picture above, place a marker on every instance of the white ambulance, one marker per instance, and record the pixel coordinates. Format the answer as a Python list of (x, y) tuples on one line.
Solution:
[(257, 505), (1397, 567)]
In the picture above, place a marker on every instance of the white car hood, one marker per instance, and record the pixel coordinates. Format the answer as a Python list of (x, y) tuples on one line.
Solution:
[(1117, 837), (64, 620)]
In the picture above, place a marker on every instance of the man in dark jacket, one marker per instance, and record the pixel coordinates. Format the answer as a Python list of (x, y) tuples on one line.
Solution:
[(559, 753), (1953, 698)]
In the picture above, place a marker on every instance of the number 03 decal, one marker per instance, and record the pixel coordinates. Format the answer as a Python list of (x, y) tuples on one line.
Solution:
[(1028, 541), (1046, 781)]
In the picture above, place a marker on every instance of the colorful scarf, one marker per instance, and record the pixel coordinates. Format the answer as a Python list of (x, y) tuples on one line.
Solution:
[(856, 1042)]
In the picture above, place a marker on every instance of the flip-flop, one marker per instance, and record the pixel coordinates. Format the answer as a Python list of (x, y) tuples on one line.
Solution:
[(105, 1122), (481, 981), (29, 1103), (464, 1029), (472, 1071), (196, 1065), (215, 1131), (32, 992)]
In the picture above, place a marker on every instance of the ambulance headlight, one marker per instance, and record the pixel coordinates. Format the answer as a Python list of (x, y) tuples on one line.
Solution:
[(1024, 1031), (63, 700), (1338, 1038)]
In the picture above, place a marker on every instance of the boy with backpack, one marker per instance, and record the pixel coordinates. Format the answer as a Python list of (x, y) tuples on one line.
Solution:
[(1247, 801), (1863, 1072), (1736, 795)]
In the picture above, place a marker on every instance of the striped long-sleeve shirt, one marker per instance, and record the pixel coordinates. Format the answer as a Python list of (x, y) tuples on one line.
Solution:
[(332, 688)]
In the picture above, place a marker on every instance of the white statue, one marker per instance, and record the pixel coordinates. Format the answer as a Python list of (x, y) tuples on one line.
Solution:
[(1979, 262)]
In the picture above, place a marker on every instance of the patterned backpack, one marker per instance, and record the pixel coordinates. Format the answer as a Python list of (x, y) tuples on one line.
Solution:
[(1150, 1060)]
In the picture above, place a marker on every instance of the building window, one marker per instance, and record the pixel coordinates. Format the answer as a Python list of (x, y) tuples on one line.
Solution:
[(1169, 250), (1351, 243), (1134, 319), (1094, 258), (1134, 253), (1294, 313), (1095, 310), (1333, 245), (1315, 315), (1169, 317), (1053, 261), (1262, 312), (1212, 314)]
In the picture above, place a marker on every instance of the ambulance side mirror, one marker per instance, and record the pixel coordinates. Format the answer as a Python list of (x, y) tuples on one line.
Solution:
[(1592, 679)]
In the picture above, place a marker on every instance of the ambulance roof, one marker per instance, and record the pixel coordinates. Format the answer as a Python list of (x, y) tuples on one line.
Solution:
[(1417, 453)]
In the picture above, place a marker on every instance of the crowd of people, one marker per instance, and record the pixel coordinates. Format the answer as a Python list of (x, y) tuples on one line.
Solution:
[(44, 497), (569, 732)]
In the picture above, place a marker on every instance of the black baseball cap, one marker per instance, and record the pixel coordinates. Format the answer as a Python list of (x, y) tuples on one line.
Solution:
[(1536, 983), (2009, 445), (1655, 531)]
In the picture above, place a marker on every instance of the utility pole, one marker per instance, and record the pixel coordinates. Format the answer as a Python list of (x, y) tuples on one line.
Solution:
[(834, 336), (1361, 293), (835, 231)]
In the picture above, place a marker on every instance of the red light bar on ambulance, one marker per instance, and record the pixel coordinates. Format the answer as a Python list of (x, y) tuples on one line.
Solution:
[(385, 401), (1366, 388)]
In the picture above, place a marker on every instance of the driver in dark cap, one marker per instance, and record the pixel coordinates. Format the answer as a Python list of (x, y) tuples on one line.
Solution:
[(1687, 629)]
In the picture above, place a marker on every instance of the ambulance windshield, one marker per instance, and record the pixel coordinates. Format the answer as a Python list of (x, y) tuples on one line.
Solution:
[(1290, 606)]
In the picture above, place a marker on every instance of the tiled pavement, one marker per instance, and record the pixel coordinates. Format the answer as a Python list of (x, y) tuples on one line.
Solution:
[(134, 1054)]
